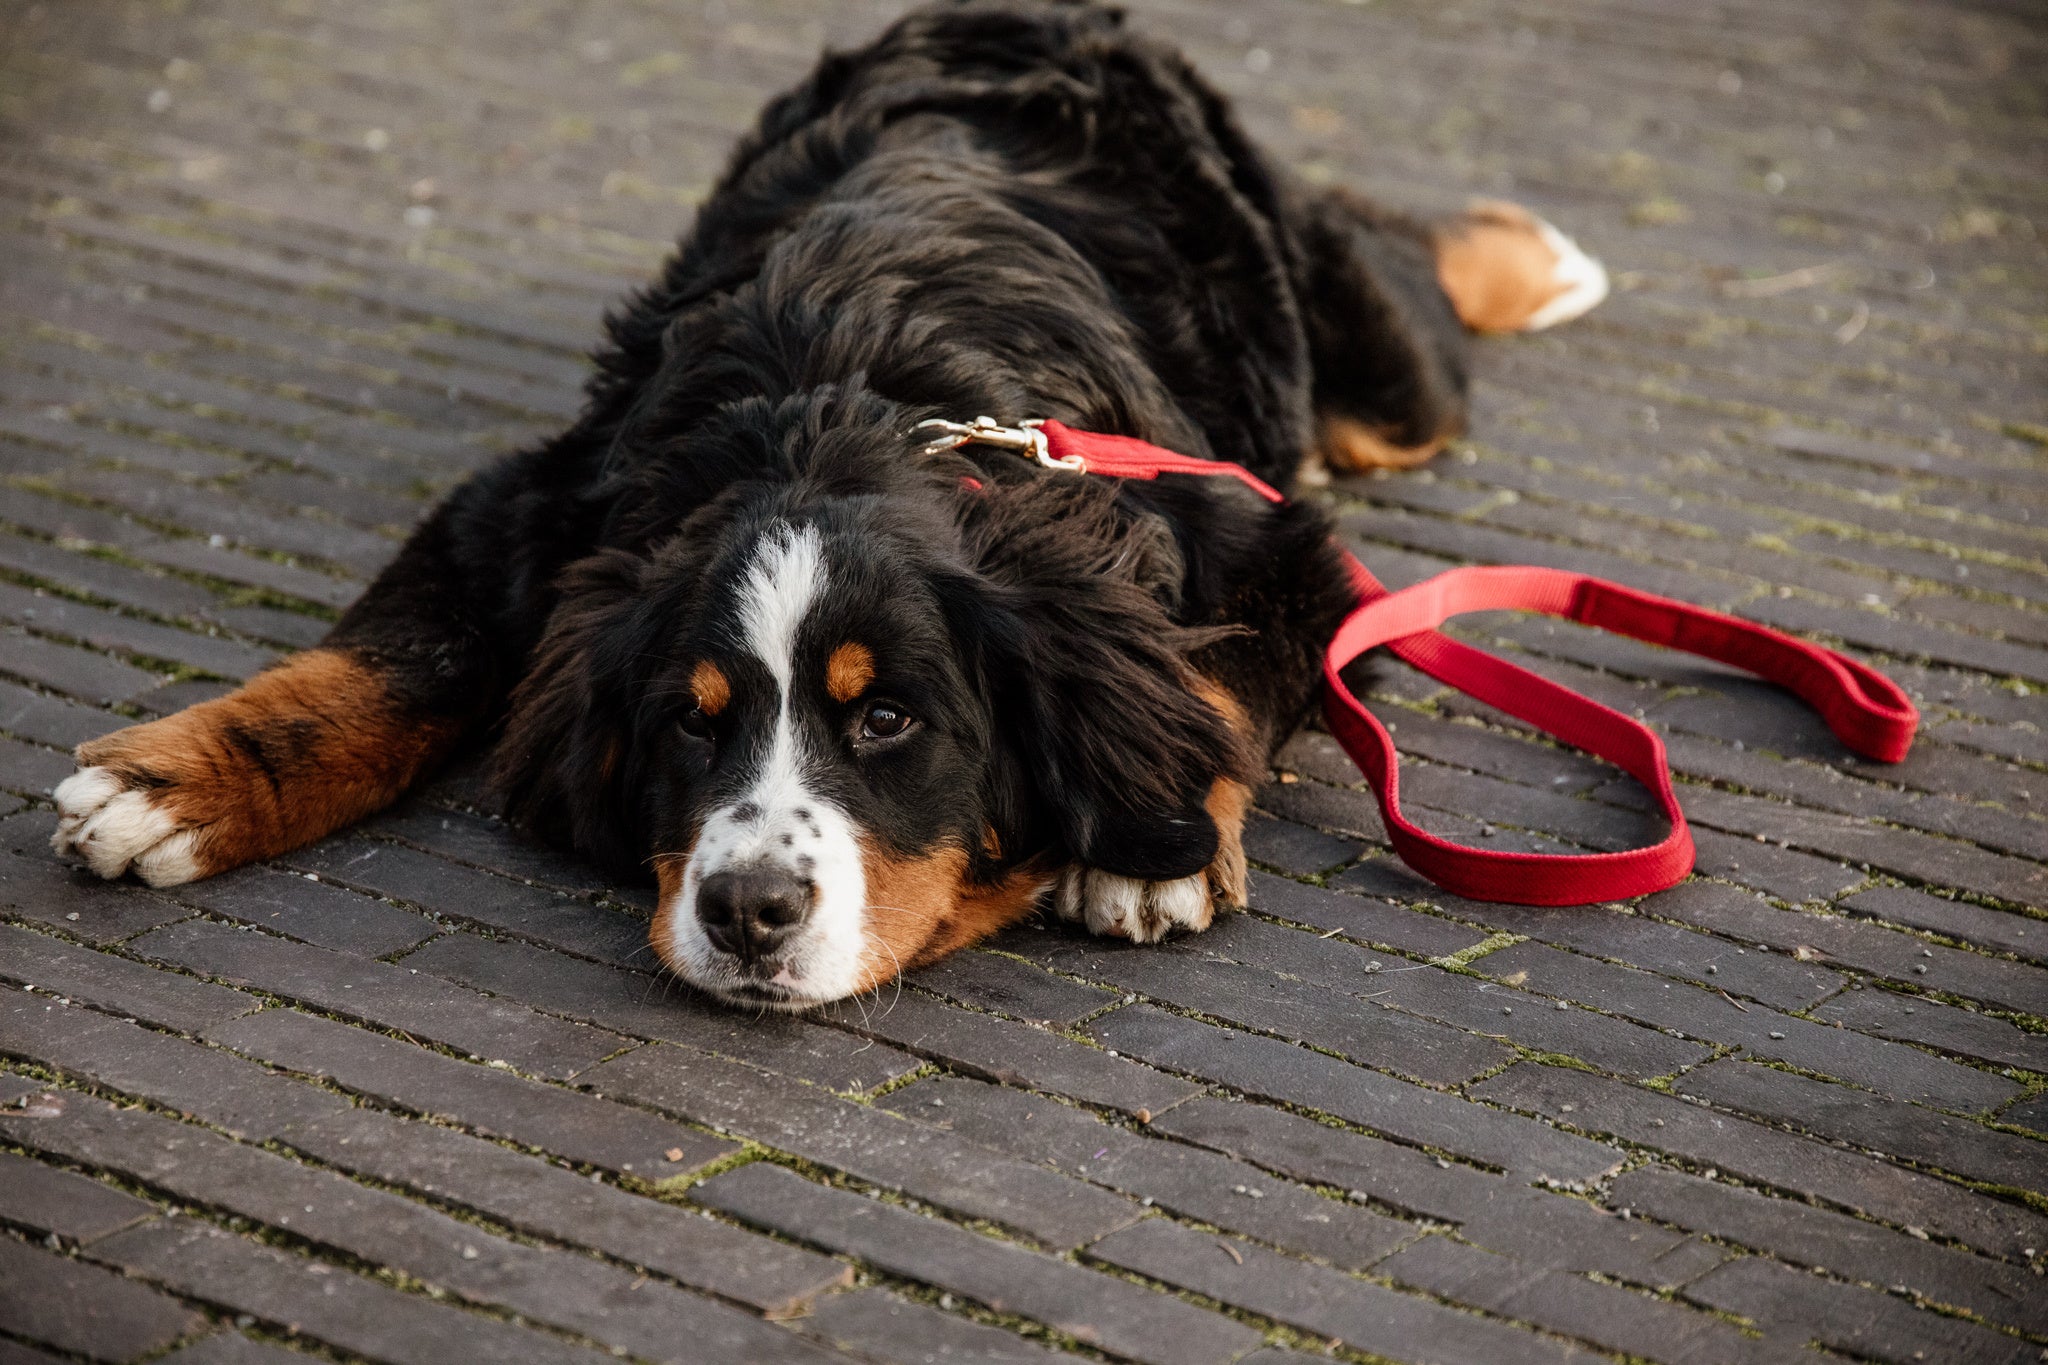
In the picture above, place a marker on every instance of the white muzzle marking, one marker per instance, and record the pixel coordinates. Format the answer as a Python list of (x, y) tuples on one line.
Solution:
[(779, 821)]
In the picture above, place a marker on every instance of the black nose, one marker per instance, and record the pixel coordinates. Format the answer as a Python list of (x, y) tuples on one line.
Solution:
[(751, 911)]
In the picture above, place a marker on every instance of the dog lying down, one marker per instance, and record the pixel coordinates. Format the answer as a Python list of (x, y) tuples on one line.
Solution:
[(857, 703)]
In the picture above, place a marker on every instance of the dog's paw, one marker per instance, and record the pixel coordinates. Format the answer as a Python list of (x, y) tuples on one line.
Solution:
[(1143, 912), (1506, 270), (115, 823)]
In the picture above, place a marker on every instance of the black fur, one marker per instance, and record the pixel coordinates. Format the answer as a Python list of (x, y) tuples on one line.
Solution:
[(1010, 208)]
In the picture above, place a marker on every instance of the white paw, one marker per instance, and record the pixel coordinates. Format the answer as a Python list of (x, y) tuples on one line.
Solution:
[(114, 826), (1143, 912), (1581, 280)]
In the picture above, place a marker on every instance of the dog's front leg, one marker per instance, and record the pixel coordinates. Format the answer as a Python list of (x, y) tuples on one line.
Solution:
[(322, 739), (319, 741), (1145, 912)]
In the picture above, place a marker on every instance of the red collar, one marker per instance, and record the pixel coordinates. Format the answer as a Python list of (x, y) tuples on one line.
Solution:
[(1866, 710)]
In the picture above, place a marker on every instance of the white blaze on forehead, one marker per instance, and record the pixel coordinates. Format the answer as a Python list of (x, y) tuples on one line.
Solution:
[(780, 821)]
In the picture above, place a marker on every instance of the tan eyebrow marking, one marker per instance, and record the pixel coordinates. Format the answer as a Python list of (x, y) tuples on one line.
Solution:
[(712, 690), (849, 671)]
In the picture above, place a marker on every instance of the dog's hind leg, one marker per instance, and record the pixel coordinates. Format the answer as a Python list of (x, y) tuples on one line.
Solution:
[(1389, 302), (1506, 270)]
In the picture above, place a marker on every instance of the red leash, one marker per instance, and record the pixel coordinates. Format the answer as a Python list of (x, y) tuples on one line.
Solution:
[(1866, 710)]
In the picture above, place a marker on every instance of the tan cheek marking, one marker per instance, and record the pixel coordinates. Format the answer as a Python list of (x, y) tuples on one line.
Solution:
[(668, 876), (338, 744), (849, 671), (711, 688), (922, 908)]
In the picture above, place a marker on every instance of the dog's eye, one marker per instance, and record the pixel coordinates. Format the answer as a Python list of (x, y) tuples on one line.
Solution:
[(695, 722), (884, 720)]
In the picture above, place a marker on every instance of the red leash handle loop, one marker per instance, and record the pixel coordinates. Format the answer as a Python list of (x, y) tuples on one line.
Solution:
[(1867, 710), (1863, 707)]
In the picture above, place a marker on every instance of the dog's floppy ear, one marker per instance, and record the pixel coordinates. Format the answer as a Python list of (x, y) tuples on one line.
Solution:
[(567, 761), (1089, 678)]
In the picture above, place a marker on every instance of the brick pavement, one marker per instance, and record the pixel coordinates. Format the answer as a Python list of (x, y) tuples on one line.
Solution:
[(276, 274)]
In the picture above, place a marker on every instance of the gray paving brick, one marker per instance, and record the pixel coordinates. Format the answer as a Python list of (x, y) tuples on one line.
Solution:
[(662, 1008), (1605, 1315), (1190, 976), (76, 1208), (62, 520), (156, 593), (2032, 1114), (1776, 871), (495, 902), (1907, 639), (1494, 753), (869, 1144), (536, 1197), (1823, 788), (52, 720), (1904, 1130), (35, 886), (228, 1348), (379, 993), (1858, 944), (1852, 1247), (1319, 1300), (1799, 1165), (226, 562), (310, 911), (274, 625), (1860, 1321), (1481, 1007), (1294, 848), (1359, 920), (221, 1089), (1271, 1069), (18, 1353), (906, 1332), (205, 512), (31, 769), (102, 629), (1697, 1013), (1495, 1211), (1917, 1019), (567, 1123), (1349, 813), (176, 696), (1905, 852), (1012, 1053), (78, 1307), (563, 1288), (1611, 933), (116, 984), (323, 1302), (1997, 930), (1180, 1179), (1110, 1314), (488, 844), (81, 673), (992, 981)]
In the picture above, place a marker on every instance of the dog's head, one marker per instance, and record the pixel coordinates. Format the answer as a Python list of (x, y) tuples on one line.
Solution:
[(856, 712)]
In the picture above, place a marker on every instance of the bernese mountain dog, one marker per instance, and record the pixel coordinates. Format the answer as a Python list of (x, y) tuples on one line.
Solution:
[(856, 701)]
